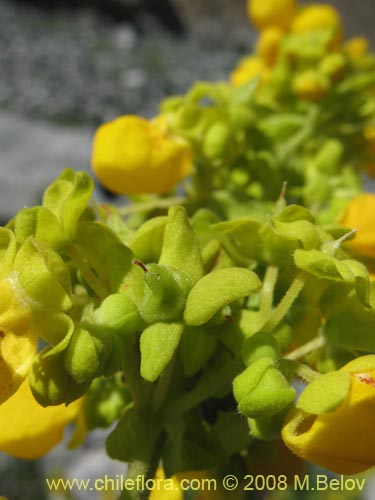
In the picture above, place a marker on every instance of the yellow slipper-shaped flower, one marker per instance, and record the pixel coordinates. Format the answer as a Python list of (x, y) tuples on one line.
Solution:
[(316, 17), (267, 13), (342, 440), (27, 430), (360, 215), (132, 155), (18, 340)]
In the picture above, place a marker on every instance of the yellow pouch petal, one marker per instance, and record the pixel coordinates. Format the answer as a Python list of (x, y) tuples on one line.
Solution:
[(342, 441), (27, 430), (133, 155), (266, 13), (315, 17)]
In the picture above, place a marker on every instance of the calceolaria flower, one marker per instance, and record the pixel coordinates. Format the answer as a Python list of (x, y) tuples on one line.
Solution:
[(27, 429), (268, 44), (18, 340), (360, 215), (266, 13), (333, 424), (316, 17), (356, 47), (133, 155)]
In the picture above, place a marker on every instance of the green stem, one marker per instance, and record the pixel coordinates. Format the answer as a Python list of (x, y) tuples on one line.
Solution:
[(304, 349), (163, 384), (209, 385), (286, 302), (147, 206), (139, 471), (269, 283), (88, 275), (306, 373)]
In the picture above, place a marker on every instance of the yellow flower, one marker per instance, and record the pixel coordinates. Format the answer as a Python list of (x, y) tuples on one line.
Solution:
[(310, 85), (316, 17), (268, 44), (171, 489), (266, 13), (360, 215), (356, 47), (343, 440), (249, 68), (18, 340), (27, 429), (133, 155)]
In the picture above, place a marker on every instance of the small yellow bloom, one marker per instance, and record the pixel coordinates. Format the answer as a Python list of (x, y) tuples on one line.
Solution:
[(267, 13), (268, 44), (360, 215), (27, 429), (18, 340), (343, 440), (249, 68), (316, 17), (356, 47), (133, 155), (310, 85)]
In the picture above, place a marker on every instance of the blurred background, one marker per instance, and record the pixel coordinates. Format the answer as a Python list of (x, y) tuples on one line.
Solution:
[(68, 65)]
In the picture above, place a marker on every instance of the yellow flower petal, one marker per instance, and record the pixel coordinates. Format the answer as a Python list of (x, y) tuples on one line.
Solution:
[(133, 155), (310, 85), (360, 214), (316, 17), (343, 440), (266, 13), (18, 341), (27, 429), (356, 47), (268, 44), (249, 68)]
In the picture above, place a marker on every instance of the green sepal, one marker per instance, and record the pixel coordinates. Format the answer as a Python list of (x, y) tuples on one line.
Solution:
[(259, 345), (325, 394), (40, 223), (281, 126), (53, 327), (197, 346), (104, 402), (43, 275), (240, 238), (87, 353), (164, 294), (297, 223), (7, 251), (235, 331), (181, 247), (147, 242), (216, 290), (201, 222), (217, 140), (361, 280), (351, 326), (67, 199), (118, 312), (133, 438), (158, 344), (269, 427), (111, 259), (322, 265), (50, 382), (261, 390)]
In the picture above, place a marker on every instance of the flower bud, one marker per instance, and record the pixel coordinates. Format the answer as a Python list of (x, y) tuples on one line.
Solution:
[(118, 313)]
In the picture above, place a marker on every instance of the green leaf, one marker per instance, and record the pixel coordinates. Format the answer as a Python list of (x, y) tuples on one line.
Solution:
[(181, 246), (197, 346), (133, 438), (362, 280), (325, 394), (216, 290), (67, 198), (158, 345), (147, 242), (43, 275)]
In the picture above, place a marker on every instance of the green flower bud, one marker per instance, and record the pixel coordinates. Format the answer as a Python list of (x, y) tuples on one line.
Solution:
[(261, 390), (217, 140), (333, 65), (50, 382), (118, 313), (260, 345), (267, 428), (87, 353)]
